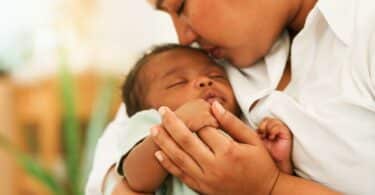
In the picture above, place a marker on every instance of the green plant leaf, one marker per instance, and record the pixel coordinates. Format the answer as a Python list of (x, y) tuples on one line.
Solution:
[(32, 167), (71, 125), (98, 120)]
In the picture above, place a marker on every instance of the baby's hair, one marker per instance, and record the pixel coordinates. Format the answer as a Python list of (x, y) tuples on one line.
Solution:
[(131, 90)]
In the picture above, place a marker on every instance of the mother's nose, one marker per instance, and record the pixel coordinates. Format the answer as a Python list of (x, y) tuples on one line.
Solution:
[(185, 33)]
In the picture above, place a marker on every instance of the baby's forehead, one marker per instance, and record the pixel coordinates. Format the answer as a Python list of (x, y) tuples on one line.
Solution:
[(183, 57), (181, 52)]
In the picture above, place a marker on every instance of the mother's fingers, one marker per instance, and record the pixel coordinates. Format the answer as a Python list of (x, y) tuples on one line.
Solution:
[(234, 126), (215, 139), (184, 137), (168, 164), (174, 152), (175, 171)]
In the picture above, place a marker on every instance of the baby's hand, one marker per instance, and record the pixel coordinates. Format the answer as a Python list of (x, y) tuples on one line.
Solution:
[(277, 138), (196, 114)]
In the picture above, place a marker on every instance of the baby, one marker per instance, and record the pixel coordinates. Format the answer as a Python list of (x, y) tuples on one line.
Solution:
[(187, 81)]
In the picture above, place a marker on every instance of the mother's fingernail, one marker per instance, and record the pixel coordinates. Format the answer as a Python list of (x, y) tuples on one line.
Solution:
[(154, 131), (219, 107), (159, 156), (162, 110)]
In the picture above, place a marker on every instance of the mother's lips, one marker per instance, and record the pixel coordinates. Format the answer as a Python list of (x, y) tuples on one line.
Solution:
[(215, 52)]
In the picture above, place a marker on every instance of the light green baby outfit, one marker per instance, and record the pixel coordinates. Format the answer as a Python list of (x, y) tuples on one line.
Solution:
[(138, 128)]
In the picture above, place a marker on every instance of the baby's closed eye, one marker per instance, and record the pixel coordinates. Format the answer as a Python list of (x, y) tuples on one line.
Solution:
[(177, 83)]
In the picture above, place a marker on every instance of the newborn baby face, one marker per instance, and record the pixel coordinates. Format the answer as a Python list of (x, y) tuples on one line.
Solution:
[(177, 76)]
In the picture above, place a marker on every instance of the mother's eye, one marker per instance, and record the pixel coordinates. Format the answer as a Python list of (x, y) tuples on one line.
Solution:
[(181, 8), (177, 84)]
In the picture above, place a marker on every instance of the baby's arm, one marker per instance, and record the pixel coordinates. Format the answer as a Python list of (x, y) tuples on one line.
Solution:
[(143, 171), (115, 185), (278, 140)]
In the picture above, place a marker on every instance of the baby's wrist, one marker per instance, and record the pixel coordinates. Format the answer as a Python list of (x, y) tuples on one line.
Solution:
[(285, 166)]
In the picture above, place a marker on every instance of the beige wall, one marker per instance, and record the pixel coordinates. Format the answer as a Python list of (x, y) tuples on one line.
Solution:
[(125, 28), (100, 34)]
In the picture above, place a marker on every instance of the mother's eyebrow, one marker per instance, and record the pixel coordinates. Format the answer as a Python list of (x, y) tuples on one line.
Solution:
[(159, 4)]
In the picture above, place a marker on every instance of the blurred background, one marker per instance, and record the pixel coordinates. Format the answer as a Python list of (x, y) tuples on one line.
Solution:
[(62, 63)]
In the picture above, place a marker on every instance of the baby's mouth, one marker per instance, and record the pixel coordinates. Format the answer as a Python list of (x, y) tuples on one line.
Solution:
[(211, 97)]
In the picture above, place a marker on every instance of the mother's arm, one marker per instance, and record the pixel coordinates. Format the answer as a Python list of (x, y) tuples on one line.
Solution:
[(216, 164)]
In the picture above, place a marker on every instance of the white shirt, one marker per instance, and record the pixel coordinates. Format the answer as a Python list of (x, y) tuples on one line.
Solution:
[(106, 153), (329, 104)]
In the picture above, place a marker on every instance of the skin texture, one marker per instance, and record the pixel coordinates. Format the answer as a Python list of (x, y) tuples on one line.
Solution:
[(184, 75), (242, 32), (186, 81), (122, 187), (278, 140), (225, 153), (240, 165)]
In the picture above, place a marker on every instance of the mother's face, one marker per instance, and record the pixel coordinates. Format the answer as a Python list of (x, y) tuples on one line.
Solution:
[(240, 31)]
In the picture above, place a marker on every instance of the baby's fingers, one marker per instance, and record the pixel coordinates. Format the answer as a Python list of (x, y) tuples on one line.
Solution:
[(206, 120), (274, 131), (269, 128), (263, 124), (261, 134), (264, 128)]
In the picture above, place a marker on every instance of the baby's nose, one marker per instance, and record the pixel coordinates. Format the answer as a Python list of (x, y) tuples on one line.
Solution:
[(204, 82)]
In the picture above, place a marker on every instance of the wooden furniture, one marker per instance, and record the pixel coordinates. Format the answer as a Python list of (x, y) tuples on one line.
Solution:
[(36, 113), (7, 129)]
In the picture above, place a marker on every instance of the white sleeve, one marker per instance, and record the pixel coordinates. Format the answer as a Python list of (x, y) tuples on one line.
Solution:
[(106, 152), (138, 128), (372, 61)]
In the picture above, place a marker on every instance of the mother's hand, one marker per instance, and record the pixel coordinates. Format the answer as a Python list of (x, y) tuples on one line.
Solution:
[(216, 164)]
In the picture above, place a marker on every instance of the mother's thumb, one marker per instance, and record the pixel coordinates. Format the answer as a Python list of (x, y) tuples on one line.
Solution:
[(234, 126)]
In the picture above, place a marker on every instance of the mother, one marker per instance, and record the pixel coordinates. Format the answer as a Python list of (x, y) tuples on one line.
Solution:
[(332, 90)]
